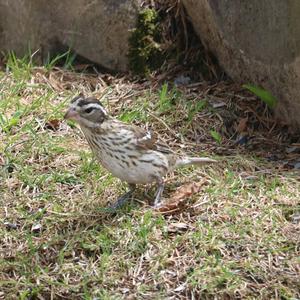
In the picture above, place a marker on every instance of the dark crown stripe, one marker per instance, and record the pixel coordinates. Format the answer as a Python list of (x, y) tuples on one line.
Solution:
[(87, 101), (76, 98)]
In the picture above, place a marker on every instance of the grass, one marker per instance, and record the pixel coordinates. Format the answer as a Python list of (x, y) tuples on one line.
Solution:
[(236, 239)]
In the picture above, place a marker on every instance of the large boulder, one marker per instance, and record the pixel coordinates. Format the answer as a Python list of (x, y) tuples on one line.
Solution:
[(256, 42), (97, 30)]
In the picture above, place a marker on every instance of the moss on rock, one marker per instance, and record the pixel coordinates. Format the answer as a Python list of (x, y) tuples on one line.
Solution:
[(145, 53)]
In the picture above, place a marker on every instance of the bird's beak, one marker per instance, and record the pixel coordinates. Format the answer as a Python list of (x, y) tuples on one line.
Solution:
[(71, 114)]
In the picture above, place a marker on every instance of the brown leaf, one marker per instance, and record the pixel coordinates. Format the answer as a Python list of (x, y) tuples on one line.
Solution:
[(53, 124), (177, 227), (178, 199), (241, 127)]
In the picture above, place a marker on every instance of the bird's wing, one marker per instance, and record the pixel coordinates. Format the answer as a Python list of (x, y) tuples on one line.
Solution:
[(148, 140)]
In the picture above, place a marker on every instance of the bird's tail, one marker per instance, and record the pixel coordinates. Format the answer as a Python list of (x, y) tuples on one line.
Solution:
[(198, 161)]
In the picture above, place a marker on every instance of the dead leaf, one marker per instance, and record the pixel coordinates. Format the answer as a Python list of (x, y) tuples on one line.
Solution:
[(180, 288), (241, 127), (53, 124), (178, 199), (185, 191), (178, 227), (219, 104)]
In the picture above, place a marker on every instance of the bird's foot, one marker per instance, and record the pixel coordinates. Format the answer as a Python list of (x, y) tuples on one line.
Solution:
[(120, 201), (158, 194)]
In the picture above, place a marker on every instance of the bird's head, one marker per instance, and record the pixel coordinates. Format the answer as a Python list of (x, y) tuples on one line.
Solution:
[(87, 112)]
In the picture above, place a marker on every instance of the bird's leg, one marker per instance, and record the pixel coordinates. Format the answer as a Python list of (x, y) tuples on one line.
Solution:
[(122, 199), (158, 193)]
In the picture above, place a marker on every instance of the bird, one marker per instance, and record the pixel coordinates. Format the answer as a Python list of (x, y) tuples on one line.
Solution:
[(133, 154)]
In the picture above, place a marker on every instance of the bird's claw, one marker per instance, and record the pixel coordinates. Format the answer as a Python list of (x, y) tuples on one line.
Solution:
[(120, 202)]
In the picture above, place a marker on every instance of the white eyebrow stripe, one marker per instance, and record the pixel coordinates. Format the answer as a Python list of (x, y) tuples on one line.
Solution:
[(97, 106), (92, 105)]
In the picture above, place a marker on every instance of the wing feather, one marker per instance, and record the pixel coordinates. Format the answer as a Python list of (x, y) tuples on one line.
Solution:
[(148, 140)]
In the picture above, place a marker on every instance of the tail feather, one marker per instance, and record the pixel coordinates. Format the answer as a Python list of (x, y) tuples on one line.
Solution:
[(185, 161)]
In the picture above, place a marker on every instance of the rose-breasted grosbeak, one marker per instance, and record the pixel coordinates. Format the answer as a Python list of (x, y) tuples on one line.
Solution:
[(130, 153)]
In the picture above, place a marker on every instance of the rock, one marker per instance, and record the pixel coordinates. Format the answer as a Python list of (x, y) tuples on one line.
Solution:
[(96, 30), (9, 225), (36, 227), (297, 166), (256, 42), (182, 80)]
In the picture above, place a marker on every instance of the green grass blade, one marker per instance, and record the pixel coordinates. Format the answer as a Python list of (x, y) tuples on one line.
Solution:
[(263, 94)]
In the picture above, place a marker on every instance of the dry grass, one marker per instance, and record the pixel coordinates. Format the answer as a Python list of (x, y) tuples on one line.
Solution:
[(238, 238)]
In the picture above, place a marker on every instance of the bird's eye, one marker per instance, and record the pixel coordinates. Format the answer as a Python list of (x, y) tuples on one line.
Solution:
[(88, 110)]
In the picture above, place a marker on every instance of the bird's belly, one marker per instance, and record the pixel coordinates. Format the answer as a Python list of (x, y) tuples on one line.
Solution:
[(146, 168)]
